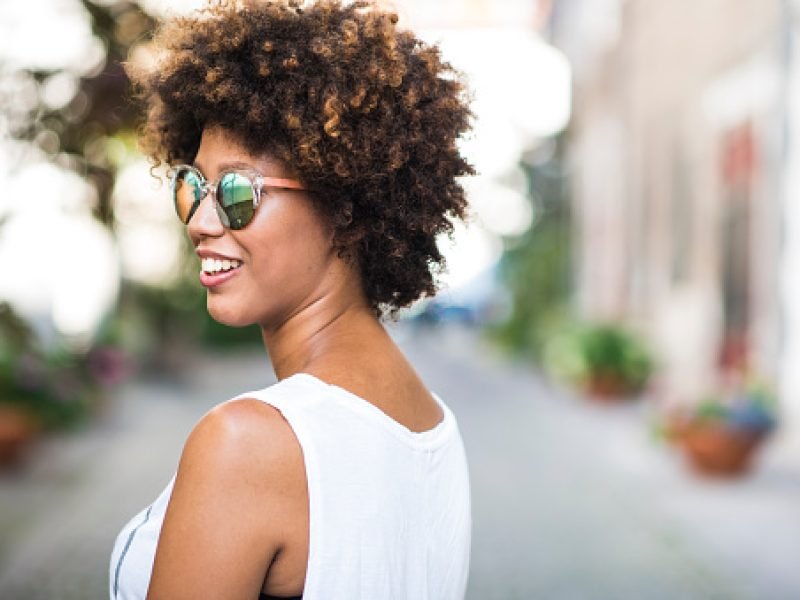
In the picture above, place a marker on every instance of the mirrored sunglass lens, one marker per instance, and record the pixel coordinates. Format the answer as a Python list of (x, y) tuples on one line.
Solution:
[(235, 197), (187, 193)]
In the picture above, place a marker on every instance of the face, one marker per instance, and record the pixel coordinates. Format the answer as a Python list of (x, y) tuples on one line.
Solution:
[(285, 254)]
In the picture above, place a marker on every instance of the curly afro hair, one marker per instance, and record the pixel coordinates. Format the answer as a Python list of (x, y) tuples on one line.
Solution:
[(367, 114)]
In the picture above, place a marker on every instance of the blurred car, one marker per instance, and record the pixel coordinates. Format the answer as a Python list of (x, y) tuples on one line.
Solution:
[(436, 312)]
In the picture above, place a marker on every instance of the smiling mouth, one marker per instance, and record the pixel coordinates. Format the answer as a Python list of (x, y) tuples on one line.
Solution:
[(215, 266)]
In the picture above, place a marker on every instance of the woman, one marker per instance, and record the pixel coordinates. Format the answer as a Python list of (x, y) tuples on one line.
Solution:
[(314, 162)]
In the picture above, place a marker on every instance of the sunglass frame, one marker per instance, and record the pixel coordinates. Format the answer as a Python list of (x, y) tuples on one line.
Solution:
[(257, 182)]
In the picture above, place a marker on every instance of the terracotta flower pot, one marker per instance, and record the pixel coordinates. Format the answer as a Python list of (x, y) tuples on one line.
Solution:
[(607, 386), (716, 450), (17, 429)]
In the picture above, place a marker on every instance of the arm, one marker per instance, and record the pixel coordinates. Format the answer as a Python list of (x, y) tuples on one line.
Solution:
[(236, 481)]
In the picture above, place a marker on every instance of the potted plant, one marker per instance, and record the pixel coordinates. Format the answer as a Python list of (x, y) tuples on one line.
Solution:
[(721, 436), (18, 424), (605, 360), (46, 390)]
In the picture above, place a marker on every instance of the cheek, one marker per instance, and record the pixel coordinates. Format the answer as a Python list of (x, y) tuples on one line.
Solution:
[(292, 244)]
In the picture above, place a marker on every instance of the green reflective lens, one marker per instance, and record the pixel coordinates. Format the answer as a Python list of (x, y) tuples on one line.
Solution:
[(235, 199), (187, 193)]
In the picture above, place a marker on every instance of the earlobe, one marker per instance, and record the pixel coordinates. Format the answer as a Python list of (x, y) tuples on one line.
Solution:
[(350, 257)]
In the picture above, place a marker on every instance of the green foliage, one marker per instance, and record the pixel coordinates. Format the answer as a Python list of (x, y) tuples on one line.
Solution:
[(749, 406), (710, 409), (612, 349), (536, 268), (217, 335), (59, 387), (583, 354), (78, 135), (16, 335), (160, 318)]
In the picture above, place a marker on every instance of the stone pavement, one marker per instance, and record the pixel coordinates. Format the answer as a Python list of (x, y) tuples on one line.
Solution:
[(570, 500), (579, 501)]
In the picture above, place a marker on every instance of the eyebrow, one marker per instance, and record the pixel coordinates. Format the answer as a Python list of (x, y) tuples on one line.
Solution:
[(227, 165)]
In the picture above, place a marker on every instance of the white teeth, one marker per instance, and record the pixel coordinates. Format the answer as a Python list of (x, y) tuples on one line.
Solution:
[(213, 265)]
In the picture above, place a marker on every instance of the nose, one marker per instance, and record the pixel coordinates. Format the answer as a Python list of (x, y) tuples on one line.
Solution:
[(205, 221)]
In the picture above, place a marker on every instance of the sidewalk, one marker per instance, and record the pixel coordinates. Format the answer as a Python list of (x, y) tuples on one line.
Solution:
[(577, 501), (570, 500)]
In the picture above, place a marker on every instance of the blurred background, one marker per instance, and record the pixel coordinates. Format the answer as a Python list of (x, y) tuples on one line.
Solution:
[(618, 332)]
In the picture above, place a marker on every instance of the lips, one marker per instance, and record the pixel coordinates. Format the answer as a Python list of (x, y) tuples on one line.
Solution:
[(211, 280), (204, 253), (217, 268)]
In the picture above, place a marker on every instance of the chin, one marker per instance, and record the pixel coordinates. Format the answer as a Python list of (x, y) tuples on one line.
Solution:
[(229, 316)]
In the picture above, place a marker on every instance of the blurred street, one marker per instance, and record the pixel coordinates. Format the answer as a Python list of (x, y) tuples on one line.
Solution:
[(633, 222), (571, 500)]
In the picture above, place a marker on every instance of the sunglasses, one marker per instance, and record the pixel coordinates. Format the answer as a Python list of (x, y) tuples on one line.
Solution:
[(236, 193)]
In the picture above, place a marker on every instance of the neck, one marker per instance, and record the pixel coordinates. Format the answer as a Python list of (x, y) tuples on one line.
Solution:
[(319, 336)]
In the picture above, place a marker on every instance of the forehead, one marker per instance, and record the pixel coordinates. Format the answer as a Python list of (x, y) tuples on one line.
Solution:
[(221, 150)]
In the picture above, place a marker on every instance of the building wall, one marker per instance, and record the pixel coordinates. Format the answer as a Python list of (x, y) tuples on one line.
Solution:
[(677, 158)]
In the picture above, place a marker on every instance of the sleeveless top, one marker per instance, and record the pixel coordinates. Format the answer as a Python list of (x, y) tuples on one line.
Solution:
[(389, 508)]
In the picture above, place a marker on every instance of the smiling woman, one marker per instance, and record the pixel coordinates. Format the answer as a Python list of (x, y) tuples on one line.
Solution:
[(314, 163)]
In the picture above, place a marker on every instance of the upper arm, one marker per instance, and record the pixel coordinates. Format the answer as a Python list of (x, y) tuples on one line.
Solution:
[(236, 480)]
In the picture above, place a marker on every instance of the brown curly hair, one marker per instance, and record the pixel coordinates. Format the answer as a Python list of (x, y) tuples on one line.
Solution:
[(367, 114)]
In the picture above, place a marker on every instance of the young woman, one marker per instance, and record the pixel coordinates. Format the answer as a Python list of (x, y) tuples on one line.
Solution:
[(314, 162)]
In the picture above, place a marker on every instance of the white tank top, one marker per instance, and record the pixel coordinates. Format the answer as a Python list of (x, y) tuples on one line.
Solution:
[(389, 509)]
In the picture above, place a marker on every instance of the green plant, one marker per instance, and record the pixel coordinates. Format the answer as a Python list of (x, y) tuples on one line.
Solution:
[(605, 359), (722, 433), (82, 134), (177, 314), (57, 386), (536, 267), (750, 407)]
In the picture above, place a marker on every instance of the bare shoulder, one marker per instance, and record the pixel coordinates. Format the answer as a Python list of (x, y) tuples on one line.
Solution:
[(243, 425), (244, 442), (239, 480), (241, 437)]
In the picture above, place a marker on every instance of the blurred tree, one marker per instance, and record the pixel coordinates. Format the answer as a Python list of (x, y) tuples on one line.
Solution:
[(536, 267), (79, 135)]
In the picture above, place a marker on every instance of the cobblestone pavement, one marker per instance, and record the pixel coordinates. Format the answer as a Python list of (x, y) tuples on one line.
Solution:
[(570, 500)]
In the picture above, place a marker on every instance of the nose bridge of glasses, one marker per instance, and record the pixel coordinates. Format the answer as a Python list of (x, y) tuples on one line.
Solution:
[(206, 189)]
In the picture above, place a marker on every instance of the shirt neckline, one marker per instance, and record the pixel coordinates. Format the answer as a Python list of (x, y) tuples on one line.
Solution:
[(426, 438)]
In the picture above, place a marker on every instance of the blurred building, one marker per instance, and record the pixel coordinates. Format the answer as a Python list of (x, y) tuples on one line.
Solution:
[(685, 161)]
